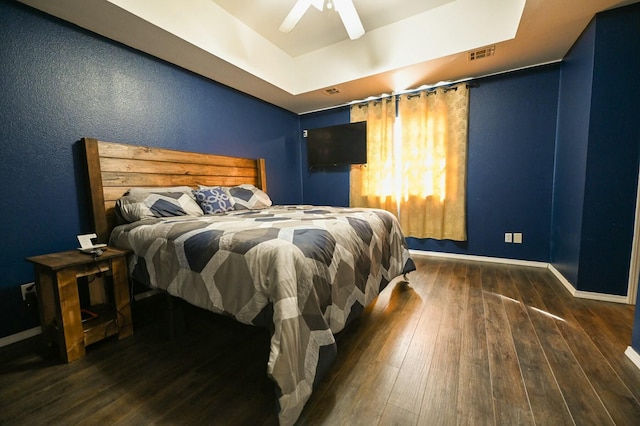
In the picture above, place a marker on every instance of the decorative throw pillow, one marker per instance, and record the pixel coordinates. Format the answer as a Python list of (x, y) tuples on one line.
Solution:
[(214, 199), (145, 205), (247, 196)]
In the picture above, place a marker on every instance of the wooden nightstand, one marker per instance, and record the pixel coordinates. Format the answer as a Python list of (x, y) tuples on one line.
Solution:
[(59, 301)]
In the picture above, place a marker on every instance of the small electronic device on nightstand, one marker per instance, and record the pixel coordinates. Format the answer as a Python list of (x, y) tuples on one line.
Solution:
[(88, 246)]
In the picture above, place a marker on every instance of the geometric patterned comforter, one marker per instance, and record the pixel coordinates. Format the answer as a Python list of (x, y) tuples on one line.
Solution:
[(302, 271)]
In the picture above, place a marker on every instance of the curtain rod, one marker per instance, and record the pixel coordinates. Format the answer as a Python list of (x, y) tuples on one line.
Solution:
[(470, 80), (415, 92)]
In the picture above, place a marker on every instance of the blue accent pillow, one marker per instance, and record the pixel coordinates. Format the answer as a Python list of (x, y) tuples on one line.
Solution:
[(214, 200)]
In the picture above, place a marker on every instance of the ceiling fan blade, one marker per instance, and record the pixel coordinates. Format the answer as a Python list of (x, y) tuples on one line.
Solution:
[(350, 18), (318, 4), (295, 15)]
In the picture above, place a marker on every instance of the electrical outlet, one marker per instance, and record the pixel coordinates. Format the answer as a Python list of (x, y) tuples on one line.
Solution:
[(517, 237), (508, 237), (27, 288)]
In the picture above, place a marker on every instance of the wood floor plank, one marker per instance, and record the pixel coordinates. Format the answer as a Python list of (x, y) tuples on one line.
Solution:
[(371, 398), (547, 403), (609, 326), (616, 397), (400, 317), (410, 385), (60, 393), (475, 402), (582, 400), (439, 404), (396, 416), (509, 394)]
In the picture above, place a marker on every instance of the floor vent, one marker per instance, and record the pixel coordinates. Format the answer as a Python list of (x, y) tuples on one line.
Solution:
[(331, 91), (482, 53)]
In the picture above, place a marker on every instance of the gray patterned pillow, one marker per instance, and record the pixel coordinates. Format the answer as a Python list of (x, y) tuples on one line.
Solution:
[(144, 205), (160, 189), (247, 196)]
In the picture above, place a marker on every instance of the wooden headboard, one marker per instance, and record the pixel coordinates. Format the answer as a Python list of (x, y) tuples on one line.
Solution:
[(113, 168)]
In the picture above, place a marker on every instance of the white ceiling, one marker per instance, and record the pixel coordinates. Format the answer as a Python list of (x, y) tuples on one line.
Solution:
[(407, 44)]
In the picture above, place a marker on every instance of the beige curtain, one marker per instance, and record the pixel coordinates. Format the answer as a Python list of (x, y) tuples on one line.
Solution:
[(373, 185), (425, 165)]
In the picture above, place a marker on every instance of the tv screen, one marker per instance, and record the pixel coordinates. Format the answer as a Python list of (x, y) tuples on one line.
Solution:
[(337, 145)]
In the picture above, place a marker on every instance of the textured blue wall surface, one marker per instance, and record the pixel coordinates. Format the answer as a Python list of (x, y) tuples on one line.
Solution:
[(597, 151), (60, 83), (612, 159), (574, 106)]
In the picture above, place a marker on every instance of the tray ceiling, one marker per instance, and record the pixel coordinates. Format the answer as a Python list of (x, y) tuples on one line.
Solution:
[(407, 44)]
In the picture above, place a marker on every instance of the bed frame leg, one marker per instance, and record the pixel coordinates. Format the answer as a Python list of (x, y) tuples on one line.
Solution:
[(175, 316)]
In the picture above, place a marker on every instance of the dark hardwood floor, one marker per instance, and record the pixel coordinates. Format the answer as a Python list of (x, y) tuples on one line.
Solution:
[(465, 343)]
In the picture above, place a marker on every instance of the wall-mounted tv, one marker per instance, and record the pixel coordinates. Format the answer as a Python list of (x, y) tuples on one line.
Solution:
[(337, 145)]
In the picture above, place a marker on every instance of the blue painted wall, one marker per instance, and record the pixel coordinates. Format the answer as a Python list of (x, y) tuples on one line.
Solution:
[(598, 147), (512, 127), (574, 105), (612, 158), (60, 83)]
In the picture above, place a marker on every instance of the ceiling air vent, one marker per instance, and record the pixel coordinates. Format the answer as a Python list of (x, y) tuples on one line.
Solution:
[(331, 91), (482, 53)]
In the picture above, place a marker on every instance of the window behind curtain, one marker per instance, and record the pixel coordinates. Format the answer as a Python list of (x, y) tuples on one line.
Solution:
[(417, 161)]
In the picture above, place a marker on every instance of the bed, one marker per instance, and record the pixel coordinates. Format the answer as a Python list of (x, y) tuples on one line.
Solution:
[(304, 272)]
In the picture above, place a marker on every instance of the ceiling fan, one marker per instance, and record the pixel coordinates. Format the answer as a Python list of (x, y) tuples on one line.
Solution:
[(345, 9)]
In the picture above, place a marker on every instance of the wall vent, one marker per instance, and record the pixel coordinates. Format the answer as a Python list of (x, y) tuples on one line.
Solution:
[(331, 91), (482, 53)]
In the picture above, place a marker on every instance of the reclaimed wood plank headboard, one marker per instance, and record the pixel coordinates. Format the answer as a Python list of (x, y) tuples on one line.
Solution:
[(113, 168)]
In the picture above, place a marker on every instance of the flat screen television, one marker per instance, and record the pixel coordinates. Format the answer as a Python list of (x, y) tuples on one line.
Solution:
[(337, 145)]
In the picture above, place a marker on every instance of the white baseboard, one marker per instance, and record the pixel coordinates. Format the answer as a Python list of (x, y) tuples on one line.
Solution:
[(602, 297), (565, 282), (23, 335), (570, 287), (587, 294), (633, 356), (479, 258)]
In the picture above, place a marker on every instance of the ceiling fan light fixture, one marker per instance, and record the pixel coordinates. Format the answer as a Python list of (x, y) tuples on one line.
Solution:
[(345, 9)]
